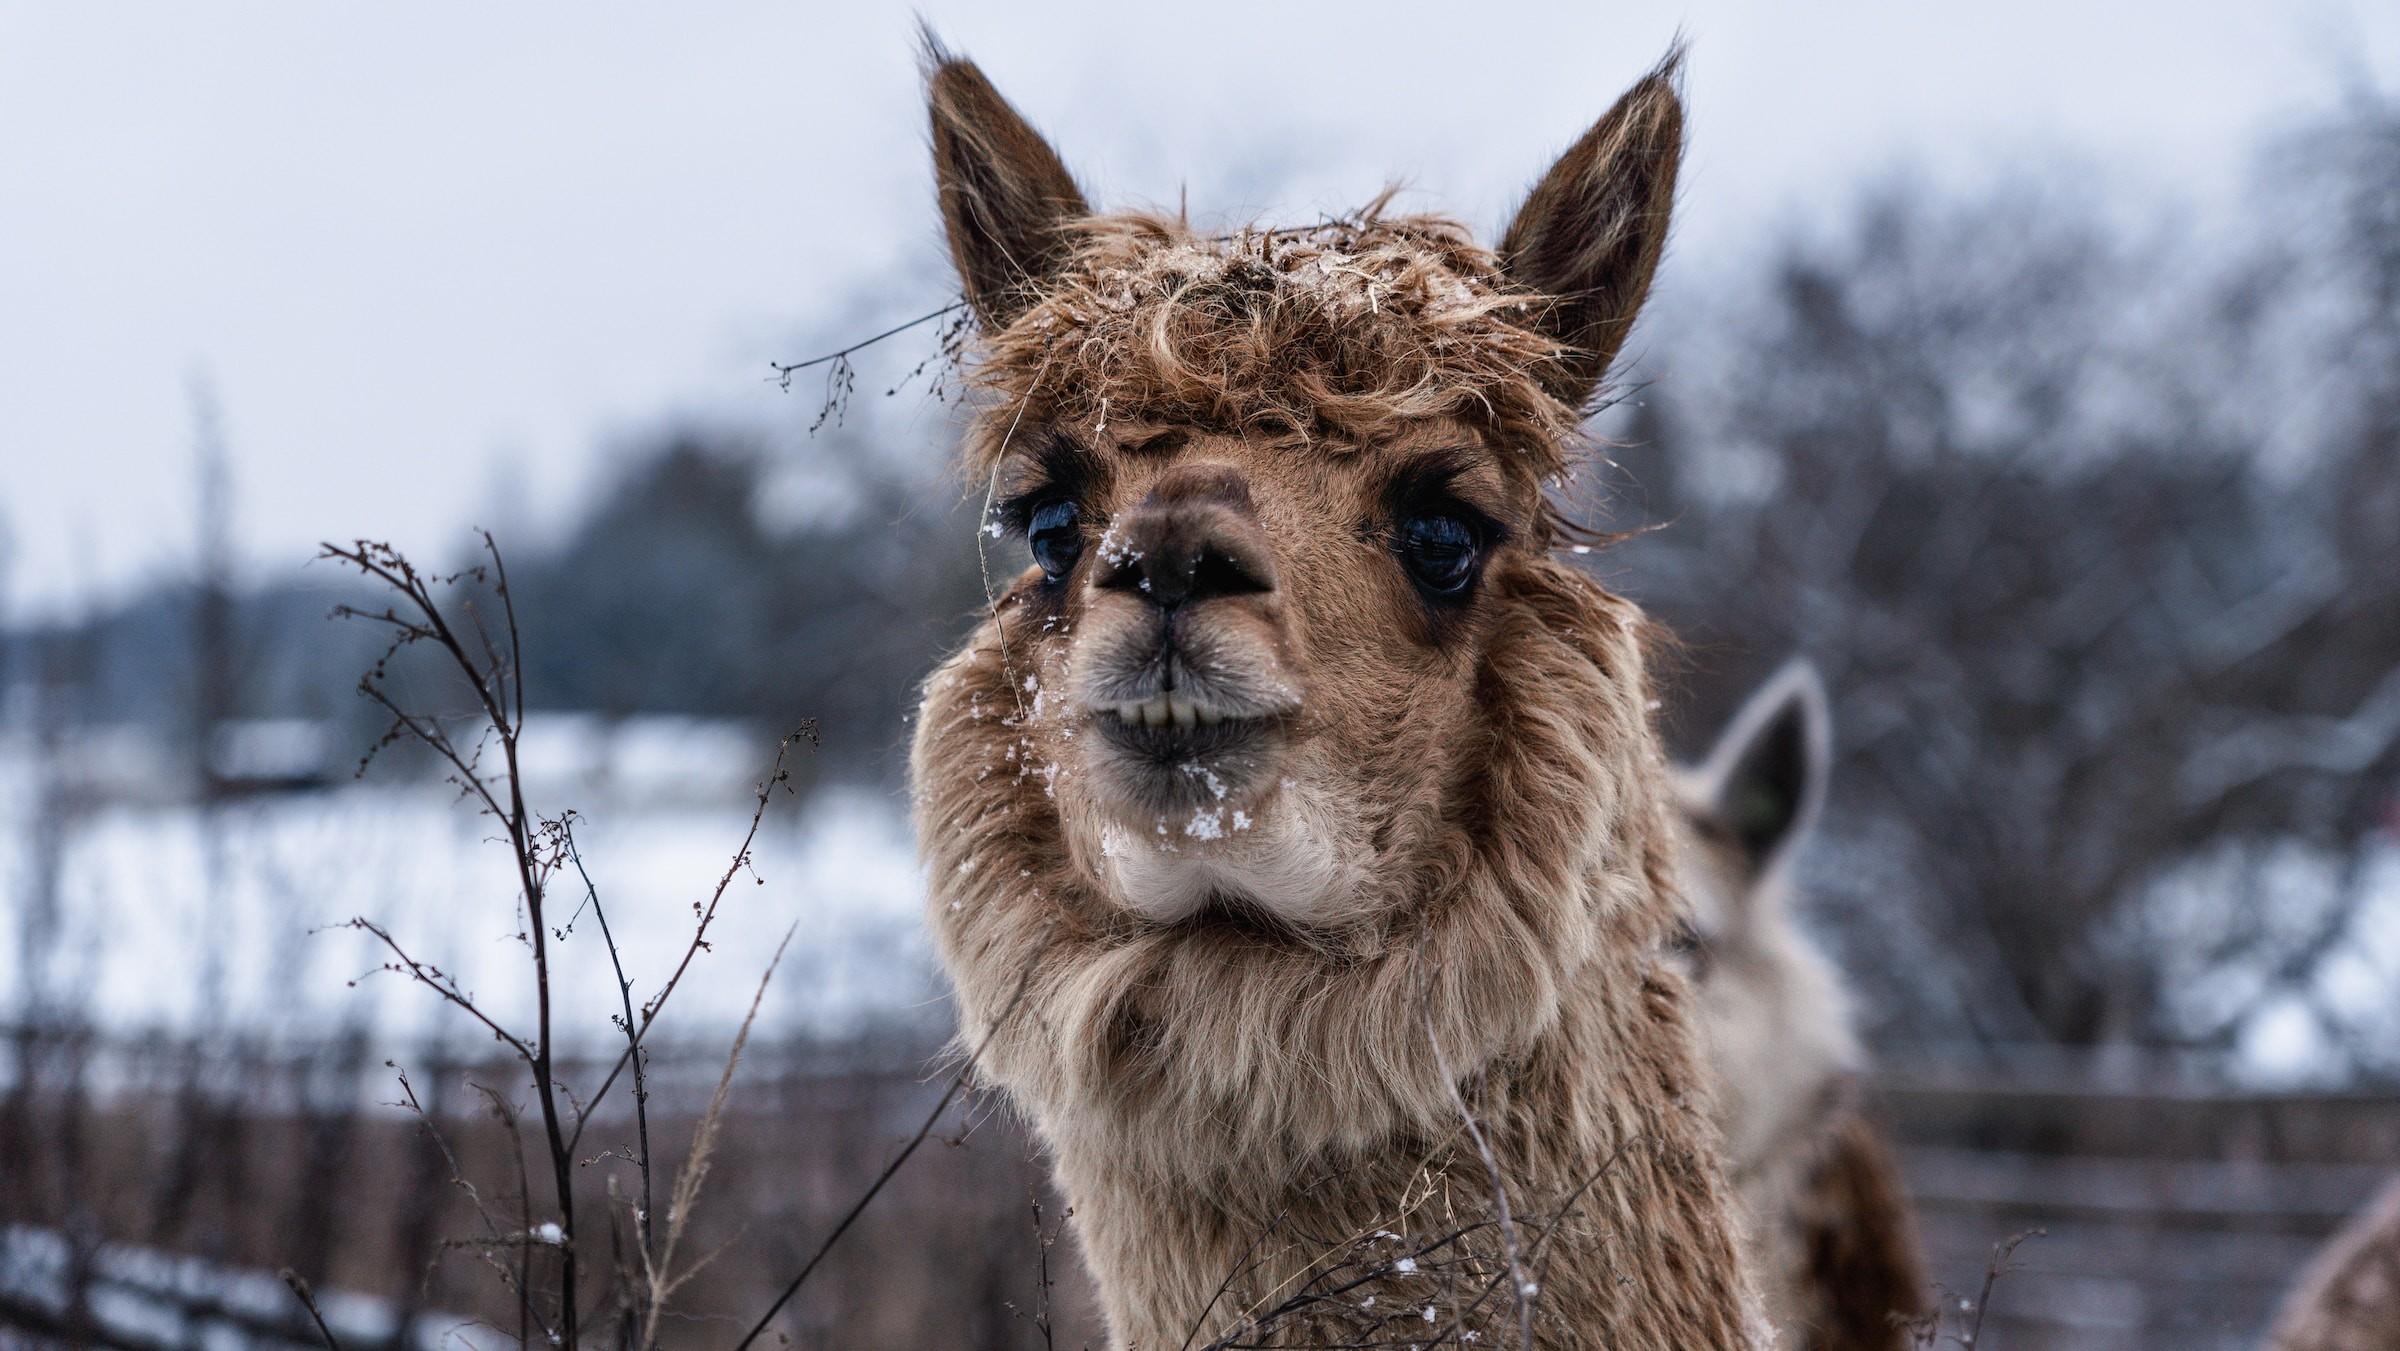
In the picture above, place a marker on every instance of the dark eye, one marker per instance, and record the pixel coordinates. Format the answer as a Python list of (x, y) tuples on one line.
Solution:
[(1440, 552), (1053, 531), (1691, 947)]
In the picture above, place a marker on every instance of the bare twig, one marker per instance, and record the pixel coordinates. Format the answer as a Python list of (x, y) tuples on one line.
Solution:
[(778, 776), (565, 827), (1042, 1239), (308, 1301), (497, 680), (1522, 1289), (661, 1277), (785, 370), (958, 1082)]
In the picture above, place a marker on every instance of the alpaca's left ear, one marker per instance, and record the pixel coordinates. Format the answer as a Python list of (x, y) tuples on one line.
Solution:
[(1766, 777), (1006, 195), (1590, 234)]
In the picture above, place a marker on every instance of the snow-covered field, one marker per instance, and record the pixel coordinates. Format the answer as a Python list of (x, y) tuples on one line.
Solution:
[(166, 917), (148, 914)]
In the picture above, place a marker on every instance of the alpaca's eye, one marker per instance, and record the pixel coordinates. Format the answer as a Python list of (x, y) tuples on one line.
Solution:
[(1440, 551), (1692, 948), (1056, 537)]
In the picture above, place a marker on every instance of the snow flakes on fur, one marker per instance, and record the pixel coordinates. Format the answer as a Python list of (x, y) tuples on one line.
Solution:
[(1341, 333)]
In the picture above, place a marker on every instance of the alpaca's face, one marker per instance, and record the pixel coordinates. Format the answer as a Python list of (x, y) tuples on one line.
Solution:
[(1256, 659), (1274, 486), (1772, 1018)]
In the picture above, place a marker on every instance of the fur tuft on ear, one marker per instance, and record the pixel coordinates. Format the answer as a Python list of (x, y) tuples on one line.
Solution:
[(1005, 193), (1766, 775), (1590, 233)]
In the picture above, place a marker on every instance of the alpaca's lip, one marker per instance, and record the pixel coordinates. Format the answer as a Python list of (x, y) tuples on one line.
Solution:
[(1176, 767), (1163, 688), (1174, 729)]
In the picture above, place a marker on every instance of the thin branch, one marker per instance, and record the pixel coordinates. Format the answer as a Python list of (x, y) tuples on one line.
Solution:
[(958, 1082), (785, 370), (1523, 1289), (308, 1301), (439, 981), (777, 775), (662, 1279), (641, 1088)]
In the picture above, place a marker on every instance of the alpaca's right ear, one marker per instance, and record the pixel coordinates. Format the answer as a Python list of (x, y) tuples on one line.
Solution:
[(1766, 776), (1005, 193), (1590, 234)]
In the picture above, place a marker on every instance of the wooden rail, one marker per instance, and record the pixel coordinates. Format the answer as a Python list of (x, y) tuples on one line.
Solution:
[(2175, 1213)]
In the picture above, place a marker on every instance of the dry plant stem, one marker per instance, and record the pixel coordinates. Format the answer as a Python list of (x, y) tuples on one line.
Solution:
[(1425, 1256), (1998, 1267), (660, 1278), (1040, 1317), (495, 1240), (516, 1151), (777, 776), (1244, 1267), (499, 686), (1523, 1289), (308, 1301), (1041, 1248), (437, 980), (633, 1040), (958, 1081), (539, 848), (785, 370)]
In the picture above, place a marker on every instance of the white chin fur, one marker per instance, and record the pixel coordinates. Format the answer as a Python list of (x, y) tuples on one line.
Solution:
[(1285, 861)]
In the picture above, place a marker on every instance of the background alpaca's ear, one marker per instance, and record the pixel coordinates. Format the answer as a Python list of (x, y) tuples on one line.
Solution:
[(1590, 234), (1005, 193), (1766, 776)]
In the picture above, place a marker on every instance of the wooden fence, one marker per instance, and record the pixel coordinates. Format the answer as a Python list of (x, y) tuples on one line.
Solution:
[(2175, 1213)]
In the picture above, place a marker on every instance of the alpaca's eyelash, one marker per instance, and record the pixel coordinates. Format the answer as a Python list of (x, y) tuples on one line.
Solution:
[(1426, 486), (1059, 468), (1013, 515)]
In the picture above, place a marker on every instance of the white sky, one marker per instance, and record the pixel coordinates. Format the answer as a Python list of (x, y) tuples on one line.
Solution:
[(406, 245)]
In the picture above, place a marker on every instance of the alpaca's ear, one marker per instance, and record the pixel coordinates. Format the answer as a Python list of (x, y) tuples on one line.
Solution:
[(1005, 194), (1590, 234), (1766, 776)]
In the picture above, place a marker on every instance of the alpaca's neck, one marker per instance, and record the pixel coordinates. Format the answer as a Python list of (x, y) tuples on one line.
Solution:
[(1606, 1168), (1231, 1111)]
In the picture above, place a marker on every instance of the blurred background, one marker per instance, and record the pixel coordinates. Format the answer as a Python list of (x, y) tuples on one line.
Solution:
[(2037, 374)]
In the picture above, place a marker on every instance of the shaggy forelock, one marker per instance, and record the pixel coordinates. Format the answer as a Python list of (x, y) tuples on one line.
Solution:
[(1342, 333)]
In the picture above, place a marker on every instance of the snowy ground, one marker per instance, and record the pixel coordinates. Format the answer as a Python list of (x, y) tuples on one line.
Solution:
[(147, 1296), (171, 919), (160, 917)]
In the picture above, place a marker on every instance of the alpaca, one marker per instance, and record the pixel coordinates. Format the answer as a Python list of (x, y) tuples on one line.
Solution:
[(2349, 1299), (1295, 826), (1831, 1240)]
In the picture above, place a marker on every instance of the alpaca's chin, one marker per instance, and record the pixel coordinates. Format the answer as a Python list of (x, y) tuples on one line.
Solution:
[(1275, 858)]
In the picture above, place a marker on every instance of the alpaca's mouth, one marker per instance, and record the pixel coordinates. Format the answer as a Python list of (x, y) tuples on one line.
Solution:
[(1172, 727), (1168, 709), (1173, 754)]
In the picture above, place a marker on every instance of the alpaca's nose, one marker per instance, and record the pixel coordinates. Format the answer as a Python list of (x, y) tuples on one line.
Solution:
[(1194, 537)]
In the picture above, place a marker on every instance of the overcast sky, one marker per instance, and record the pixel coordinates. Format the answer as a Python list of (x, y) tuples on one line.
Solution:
[(407, 245)]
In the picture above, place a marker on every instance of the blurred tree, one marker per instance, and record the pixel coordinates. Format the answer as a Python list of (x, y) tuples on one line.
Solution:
[(2001, 467), (677, 594)]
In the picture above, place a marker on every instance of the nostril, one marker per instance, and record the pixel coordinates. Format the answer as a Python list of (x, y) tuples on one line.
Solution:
[(1227, 572), (1171, 562), (1194, 536)]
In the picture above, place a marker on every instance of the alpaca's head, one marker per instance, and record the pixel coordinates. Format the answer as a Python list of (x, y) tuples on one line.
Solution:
[(1268, 506), (1772, 1018)]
